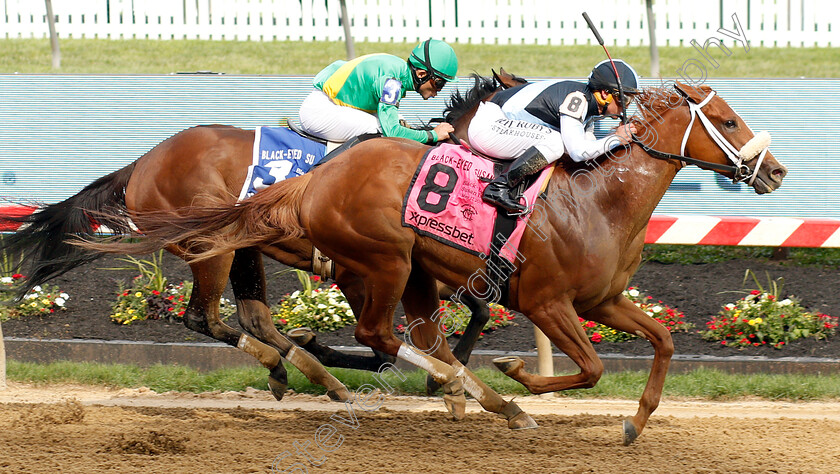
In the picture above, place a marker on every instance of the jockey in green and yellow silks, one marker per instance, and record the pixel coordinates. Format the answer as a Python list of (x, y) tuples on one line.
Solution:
[(363, 95)]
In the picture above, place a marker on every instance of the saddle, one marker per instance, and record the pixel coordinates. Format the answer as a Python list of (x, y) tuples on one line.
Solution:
[(333, 148)]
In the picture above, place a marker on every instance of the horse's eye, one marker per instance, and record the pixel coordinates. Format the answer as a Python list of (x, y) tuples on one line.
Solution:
[(730, 124)]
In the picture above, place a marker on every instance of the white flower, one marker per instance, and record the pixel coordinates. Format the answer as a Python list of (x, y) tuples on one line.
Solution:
[(321, 306), (64, 295), (36, 289), (295, 294), (634, 292), (331, 310), (6, 280), (60, 301), (785, 302), (336, 318), (730, 306), (656, 309)]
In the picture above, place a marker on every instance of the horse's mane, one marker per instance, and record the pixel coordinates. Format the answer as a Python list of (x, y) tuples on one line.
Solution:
[(653, 102), (460, 104)]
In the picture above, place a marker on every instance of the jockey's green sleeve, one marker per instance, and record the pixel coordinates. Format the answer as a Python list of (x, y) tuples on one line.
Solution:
[(361, 84)]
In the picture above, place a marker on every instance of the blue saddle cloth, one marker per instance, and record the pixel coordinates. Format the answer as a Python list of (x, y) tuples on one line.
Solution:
[(279, 154)]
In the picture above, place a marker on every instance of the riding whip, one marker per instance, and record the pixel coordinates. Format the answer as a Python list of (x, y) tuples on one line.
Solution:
[(617, 77)]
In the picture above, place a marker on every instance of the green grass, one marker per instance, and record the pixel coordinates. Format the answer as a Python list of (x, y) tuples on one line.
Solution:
[(91, 56), (693, 254), (701, 384)]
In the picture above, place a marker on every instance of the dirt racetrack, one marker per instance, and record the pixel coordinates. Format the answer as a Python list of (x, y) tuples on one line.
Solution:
[(63, 428)]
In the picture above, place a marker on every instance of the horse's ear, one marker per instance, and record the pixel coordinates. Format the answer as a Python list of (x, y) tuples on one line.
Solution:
[(692, 93), (496, 78)]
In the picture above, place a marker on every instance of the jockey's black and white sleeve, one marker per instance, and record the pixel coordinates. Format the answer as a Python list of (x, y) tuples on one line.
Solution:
[(578, 146)]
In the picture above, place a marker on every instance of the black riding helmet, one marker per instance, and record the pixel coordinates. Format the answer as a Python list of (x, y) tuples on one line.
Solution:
[(603, 78)]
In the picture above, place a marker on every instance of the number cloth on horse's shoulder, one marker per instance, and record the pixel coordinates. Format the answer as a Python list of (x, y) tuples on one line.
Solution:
[(444, 201)]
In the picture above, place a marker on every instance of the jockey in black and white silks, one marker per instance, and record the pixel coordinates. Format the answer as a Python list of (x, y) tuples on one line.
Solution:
[(537, 123)]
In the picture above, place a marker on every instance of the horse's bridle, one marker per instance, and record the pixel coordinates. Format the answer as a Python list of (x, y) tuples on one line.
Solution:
[(756, 146)]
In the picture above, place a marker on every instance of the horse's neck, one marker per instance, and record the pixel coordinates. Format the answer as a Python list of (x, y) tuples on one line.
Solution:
[(635, 188), (627, 187)]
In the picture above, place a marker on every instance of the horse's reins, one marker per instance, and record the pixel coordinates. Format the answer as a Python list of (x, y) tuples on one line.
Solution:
[(756, 146), (740, 171)]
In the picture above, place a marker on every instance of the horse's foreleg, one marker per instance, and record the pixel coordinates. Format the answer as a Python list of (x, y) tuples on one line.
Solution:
[(624, 315), (247, 277), (560, 323), (420, 301)]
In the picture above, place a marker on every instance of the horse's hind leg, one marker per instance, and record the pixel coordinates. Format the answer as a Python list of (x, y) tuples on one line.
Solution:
[(479, 315), (624, 315), (247, 277), (420, 301), (353, 289)]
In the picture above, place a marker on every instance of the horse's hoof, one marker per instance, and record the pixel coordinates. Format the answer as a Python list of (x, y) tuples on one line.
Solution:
[(431, 385), (630, 433), (301, 336), (340, 394), (278, 389), (455, 400), (522, 421), (509, 364)]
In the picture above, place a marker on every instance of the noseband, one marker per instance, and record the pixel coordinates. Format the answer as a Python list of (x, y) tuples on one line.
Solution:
[(756, 146)]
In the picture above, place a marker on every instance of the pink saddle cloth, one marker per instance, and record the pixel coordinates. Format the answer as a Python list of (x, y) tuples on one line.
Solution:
[(444, 201)]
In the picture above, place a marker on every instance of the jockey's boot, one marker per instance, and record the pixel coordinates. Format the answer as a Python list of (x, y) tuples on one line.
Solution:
[(499, 191)]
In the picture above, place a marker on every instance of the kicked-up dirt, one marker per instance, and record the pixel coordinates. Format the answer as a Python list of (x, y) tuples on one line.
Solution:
[(65, 428)]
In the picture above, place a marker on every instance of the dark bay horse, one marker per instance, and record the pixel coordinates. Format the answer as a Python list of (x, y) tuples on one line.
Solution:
[(577, 257), (216, 159)]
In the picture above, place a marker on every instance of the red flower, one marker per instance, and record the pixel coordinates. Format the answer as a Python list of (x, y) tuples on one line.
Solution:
[(316, 278), (755, 292), (155, 292), (283, 321), (723, 342), (596, 337), (17, 276), (499, 321), (590, 324)]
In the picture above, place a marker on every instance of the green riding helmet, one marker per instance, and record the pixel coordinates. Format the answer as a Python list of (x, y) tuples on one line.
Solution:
[(435, 57)]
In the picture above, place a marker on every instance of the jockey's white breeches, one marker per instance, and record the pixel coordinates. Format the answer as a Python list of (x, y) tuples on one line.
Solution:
[(493, 134), (322, 117)]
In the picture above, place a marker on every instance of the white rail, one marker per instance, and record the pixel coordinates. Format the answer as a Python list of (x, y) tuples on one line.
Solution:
[(771, 23)]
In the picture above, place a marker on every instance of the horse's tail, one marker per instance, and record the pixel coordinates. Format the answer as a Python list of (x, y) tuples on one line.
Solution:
[(38, 248), (202, 232)]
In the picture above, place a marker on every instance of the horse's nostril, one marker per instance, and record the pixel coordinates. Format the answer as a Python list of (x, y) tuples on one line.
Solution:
[(779, 173)]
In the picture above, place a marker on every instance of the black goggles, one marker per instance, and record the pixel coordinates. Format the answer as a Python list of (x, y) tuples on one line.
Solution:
[(438, 82), (627, 99)]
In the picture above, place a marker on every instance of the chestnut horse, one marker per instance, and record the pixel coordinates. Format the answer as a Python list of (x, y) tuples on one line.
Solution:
[(216, 159), (578, 254)]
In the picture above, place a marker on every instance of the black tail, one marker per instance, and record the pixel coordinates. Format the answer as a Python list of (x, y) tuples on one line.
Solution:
[(39, 246)]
